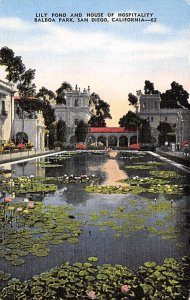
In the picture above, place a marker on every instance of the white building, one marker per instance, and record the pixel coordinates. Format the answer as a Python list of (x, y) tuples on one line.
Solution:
[(150, 110), (28, 126), (77, 108), (6, 111)]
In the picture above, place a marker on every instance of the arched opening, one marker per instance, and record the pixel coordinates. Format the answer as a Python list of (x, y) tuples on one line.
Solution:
[(102, 140), (21, 138), (123, 141), (90, 140), (112, 141), (133, 140), (76, 102)]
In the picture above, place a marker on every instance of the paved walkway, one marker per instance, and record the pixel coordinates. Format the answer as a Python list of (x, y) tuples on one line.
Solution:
[(22, 155), (177, 156)]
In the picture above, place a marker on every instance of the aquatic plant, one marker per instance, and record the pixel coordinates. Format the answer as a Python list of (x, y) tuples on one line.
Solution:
[(135, 188), (139, 167), (127, 219), (31, 228), (87, 281), (164, 173)]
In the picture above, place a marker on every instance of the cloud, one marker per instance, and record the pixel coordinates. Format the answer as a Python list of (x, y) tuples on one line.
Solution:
[(113, 65), (53, 40), (14, 24), (157, 28), (60, 40)]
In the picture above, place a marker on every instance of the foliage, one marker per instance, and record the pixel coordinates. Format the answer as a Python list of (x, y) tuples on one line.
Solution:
[(48, 113), (14, 64), (130, 120), (23, 185), (29, 145), (176, 97), (132, 99), (31, 229), (102, 111), (149, 88), (25, 86), (37, 104), (145, 131), (61, 92), (9, 146), (87, 281), (45, 94), (17, 72), (58, 144), (81, 132), (61, 131), (164, 128)]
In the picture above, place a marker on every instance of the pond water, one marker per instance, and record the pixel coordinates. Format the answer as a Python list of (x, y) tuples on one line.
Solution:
[(126, 229)]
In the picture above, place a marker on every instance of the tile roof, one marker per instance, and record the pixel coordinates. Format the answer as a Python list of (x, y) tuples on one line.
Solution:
[(110, 130)]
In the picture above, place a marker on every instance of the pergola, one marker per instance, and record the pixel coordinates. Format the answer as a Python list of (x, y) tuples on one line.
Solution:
[(107, 132)]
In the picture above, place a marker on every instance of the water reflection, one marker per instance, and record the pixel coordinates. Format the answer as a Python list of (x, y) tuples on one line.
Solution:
[(133, 250)]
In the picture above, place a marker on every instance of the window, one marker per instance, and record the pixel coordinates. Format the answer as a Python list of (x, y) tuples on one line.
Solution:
[(76, 102), (148, 119), (3, 110), (76, 122), (156, 105), (166, 119), (144, 106), (151, 119)]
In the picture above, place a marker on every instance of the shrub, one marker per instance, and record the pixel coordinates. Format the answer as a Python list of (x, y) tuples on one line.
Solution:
[(57, 144), (29, 145), (9, 146)]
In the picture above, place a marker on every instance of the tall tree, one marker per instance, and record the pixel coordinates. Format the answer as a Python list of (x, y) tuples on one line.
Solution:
[(61, 131), (144, 132), (45, 94), (149, 88), (14, 65), (130, 121), (81, 132), (176, 97), (25, 86), (48, 112), (164, 128), (132, 99), (102, 111), (17, 73), (61, 92)]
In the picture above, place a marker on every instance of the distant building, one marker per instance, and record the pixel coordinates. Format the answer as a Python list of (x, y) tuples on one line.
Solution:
[(28, 126), (150, 109), (120, 134), (77, 108), (6, 111)]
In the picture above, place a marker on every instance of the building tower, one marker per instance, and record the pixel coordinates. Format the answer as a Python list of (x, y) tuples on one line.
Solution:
[(76, 109)]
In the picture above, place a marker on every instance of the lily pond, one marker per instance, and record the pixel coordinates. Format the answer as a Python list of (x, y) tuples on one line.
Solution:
[(98, 221)]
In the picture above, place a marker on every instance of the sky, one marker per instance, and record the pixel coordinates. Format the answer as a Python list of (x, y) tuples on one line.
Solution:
[(114, 58)]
